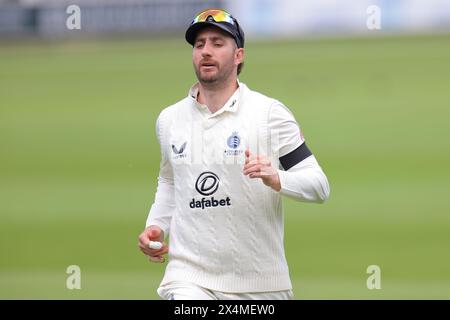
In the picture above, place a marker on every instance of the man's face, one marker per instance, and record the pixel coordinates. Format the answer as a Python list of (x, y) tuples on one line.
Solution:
[(215, 55)]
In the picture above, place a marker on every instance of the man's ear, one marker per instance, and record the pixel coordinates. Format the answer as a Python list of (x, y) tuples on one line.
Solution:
[(239, 55)]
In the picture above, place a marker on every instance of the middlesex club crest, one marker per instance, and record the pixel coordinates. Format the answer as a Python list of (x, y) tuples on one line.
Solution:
[(234, 140), (233, 143)]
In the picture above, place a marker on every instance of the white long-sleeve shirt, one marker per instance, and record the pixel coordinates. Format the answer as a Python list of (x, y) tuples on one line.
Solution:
[(225, 229)]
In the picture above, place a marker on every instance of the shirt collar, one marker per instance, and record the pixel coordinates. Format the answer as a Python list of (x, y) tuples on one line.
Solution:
[(231, 105)]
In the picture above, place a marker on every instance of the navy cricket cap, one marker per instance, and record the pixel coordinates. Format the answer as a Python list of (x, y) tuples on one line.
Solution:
[(219, 18)]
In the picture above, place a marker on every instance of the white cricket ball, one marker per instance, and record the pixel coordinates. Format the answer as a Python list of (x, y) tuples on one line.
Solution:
[(155, 245)]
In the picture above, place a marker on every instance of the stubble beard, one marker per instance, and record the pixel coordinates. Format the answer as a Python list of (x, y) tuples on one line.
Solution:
[(216, 78)]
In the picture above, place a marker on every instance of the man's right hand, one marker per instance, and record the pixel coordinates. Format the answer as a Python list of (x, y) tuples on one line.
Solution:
[(153, 233)]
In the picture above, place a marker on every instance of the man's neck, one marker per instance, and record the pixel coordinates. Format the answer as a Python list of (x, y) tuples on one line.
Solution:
[(216, 96)]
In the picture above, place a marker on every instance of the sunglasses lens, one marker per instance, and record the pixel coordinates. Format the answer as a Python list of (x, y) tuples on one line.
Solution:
[(217, 14)]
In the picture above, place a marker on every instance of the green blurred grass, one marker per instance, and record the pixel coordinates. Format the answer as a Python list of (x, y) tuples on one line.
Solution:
[(79, 160)]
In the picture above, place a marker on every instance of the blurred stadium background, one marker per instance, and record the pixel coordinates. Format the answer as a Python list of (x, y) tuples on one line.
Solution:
[(79, 157)]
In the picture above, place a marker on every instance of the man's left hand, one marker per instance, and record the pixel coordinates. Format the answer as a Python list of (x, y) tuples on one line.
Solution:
[(258, 166)]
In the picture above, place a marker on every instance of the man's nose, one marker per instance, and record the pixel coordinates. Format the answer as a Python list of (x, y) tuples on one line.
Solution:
[(206, 50)]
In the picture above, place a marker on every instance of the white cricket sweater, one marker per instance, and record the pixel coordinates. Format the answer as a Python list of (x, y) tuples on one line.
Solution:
[(225, 229)]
